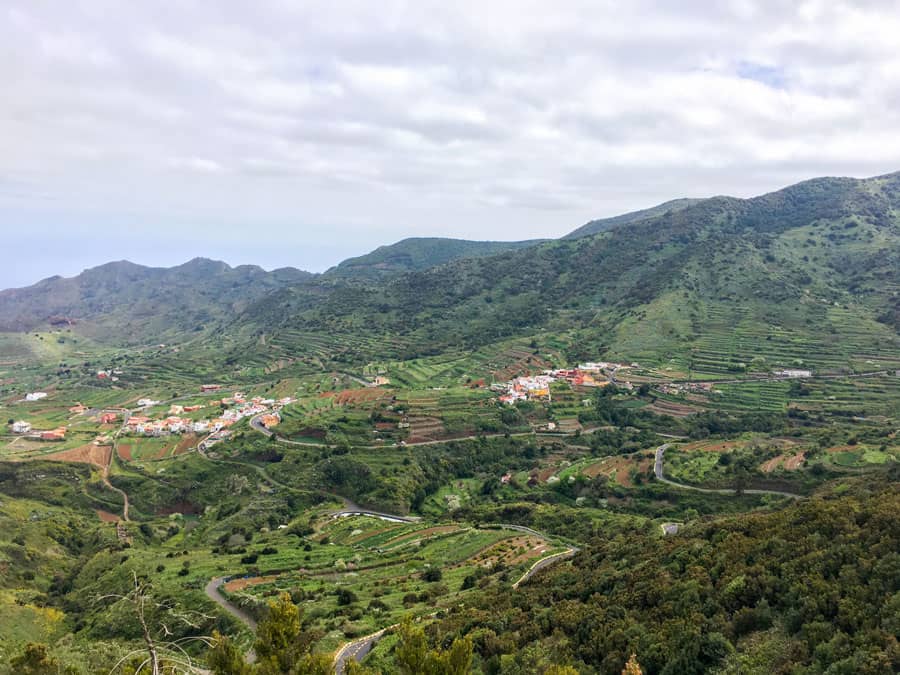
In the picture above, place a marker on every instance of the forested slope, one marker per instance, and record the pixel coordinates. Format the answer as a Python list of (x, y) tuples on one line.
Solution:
[(814, 588)]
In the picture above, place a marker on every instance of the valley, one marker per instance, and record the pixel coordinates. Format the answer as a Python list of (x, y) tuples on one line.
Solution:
[(520, 450)]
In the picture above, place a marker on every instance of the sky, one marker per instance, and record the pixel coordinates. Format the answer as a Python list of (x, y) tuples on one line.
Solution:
[(288, 133)]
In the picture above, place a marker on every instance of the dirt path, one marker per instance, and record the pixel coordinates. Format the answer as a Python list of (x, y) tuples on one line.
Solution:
[(125, 503)]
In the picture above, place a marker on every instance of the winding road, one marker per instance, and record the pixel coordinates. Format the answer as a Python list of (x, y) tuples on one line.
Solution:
[(658, 471), (213, 593), (357, 649)]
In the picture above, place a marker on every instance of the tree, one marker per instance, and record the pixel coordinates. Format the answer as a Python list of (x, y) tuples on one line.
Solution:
[(562, 670), (414, 658), (35, 661), (281, 644), (353, 667), (412, 649), (278, 634), (224, 658), (632, 667), (162, 651)]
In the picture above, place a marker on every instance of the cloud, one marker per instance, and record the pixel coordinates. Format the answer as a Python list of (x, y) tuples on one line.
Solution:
[(340, 126)]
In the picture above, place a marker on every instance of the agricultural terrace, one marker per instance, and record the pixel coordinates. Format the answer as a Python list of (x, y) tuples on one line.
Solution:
[(358, 574), (760, 457)]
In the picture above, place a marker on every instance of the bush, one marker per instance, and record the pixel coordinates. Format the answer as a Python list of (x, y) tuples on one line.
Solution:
[(345, 596), (433, 574)]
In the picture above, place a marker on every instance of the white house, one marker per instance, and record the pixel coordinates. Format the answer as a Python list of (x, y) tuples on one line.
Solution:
[(201, 426), (21, 427), (146, 402), (794, 372), (35, 396)]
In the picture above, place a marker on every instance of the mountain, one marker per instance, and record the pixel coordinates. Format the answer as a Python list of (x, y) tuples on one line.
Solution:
[(418, 253), (604, 224), (807, 274), (810, 272), (125, 301)]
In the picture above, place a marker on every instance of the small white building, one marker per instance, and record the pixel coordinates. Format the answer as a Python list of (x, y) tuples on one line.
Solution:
[(35, 396), (21, 427), (794, 373), (146, 402), (201, 426)]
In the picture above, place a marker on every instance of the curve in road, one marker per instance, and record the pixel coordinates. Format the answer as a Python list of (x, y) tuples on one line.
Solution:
[(658, 472), (213, 593), (357, 649)]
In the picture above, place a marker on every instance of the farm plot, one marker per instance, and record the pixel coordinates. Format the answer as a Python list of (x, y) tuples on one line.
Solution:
[(140, 449), (98, 455), (619, 468), (396, 579)]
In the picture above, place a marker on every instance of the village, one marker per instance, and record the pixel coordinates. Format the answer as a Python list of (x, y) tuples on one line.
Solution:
[(233, 409), (179, 419), (537, 387)]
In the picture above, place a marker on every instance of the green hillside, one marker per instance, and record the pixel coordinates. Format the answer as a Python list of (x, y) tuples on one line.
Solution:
[(690, 504), (417, 253), (809, 273), (124, 302), (605, 224)]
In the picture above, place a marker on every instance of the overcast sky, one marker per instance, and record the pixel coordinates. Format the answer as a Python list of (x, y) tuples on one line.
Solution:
[(299, 133)]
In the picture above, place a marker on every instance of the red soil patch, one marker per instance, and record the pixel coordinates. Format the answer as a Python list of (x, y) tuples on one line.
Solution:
[(795, 462), (507, 551), (107, 517), (545, 474), (620, 467), (786, 462), (98, 455), (163, 452), (841, 448), (241, 584), (187, 442), (772, 464), (125, 452), (603, 467)]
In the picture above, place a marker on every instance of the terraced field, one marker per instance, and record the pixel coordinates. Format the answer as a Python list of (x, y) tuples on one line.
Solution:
[(366, 573)]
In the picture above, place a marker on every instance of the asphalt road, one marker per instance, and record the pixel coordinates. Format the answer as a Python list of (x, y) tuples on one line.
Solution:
[(658, 471), (357, 649), (545, 562), (213, 593)]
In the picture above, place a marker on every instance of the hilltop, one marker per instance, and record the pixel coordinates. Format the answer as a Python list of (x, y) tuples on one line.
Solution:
[(132, 302), (606, 224), (808, 273), (813, 266), (561, 422), (418, 253)]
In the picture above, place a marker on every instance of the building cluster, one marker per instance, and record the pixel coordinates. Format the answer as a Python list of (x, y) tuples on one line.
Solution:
[(537, 387), (237, 407), (677, 388), (530, 388), (111, 375), (25, 428), (793, 373)]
